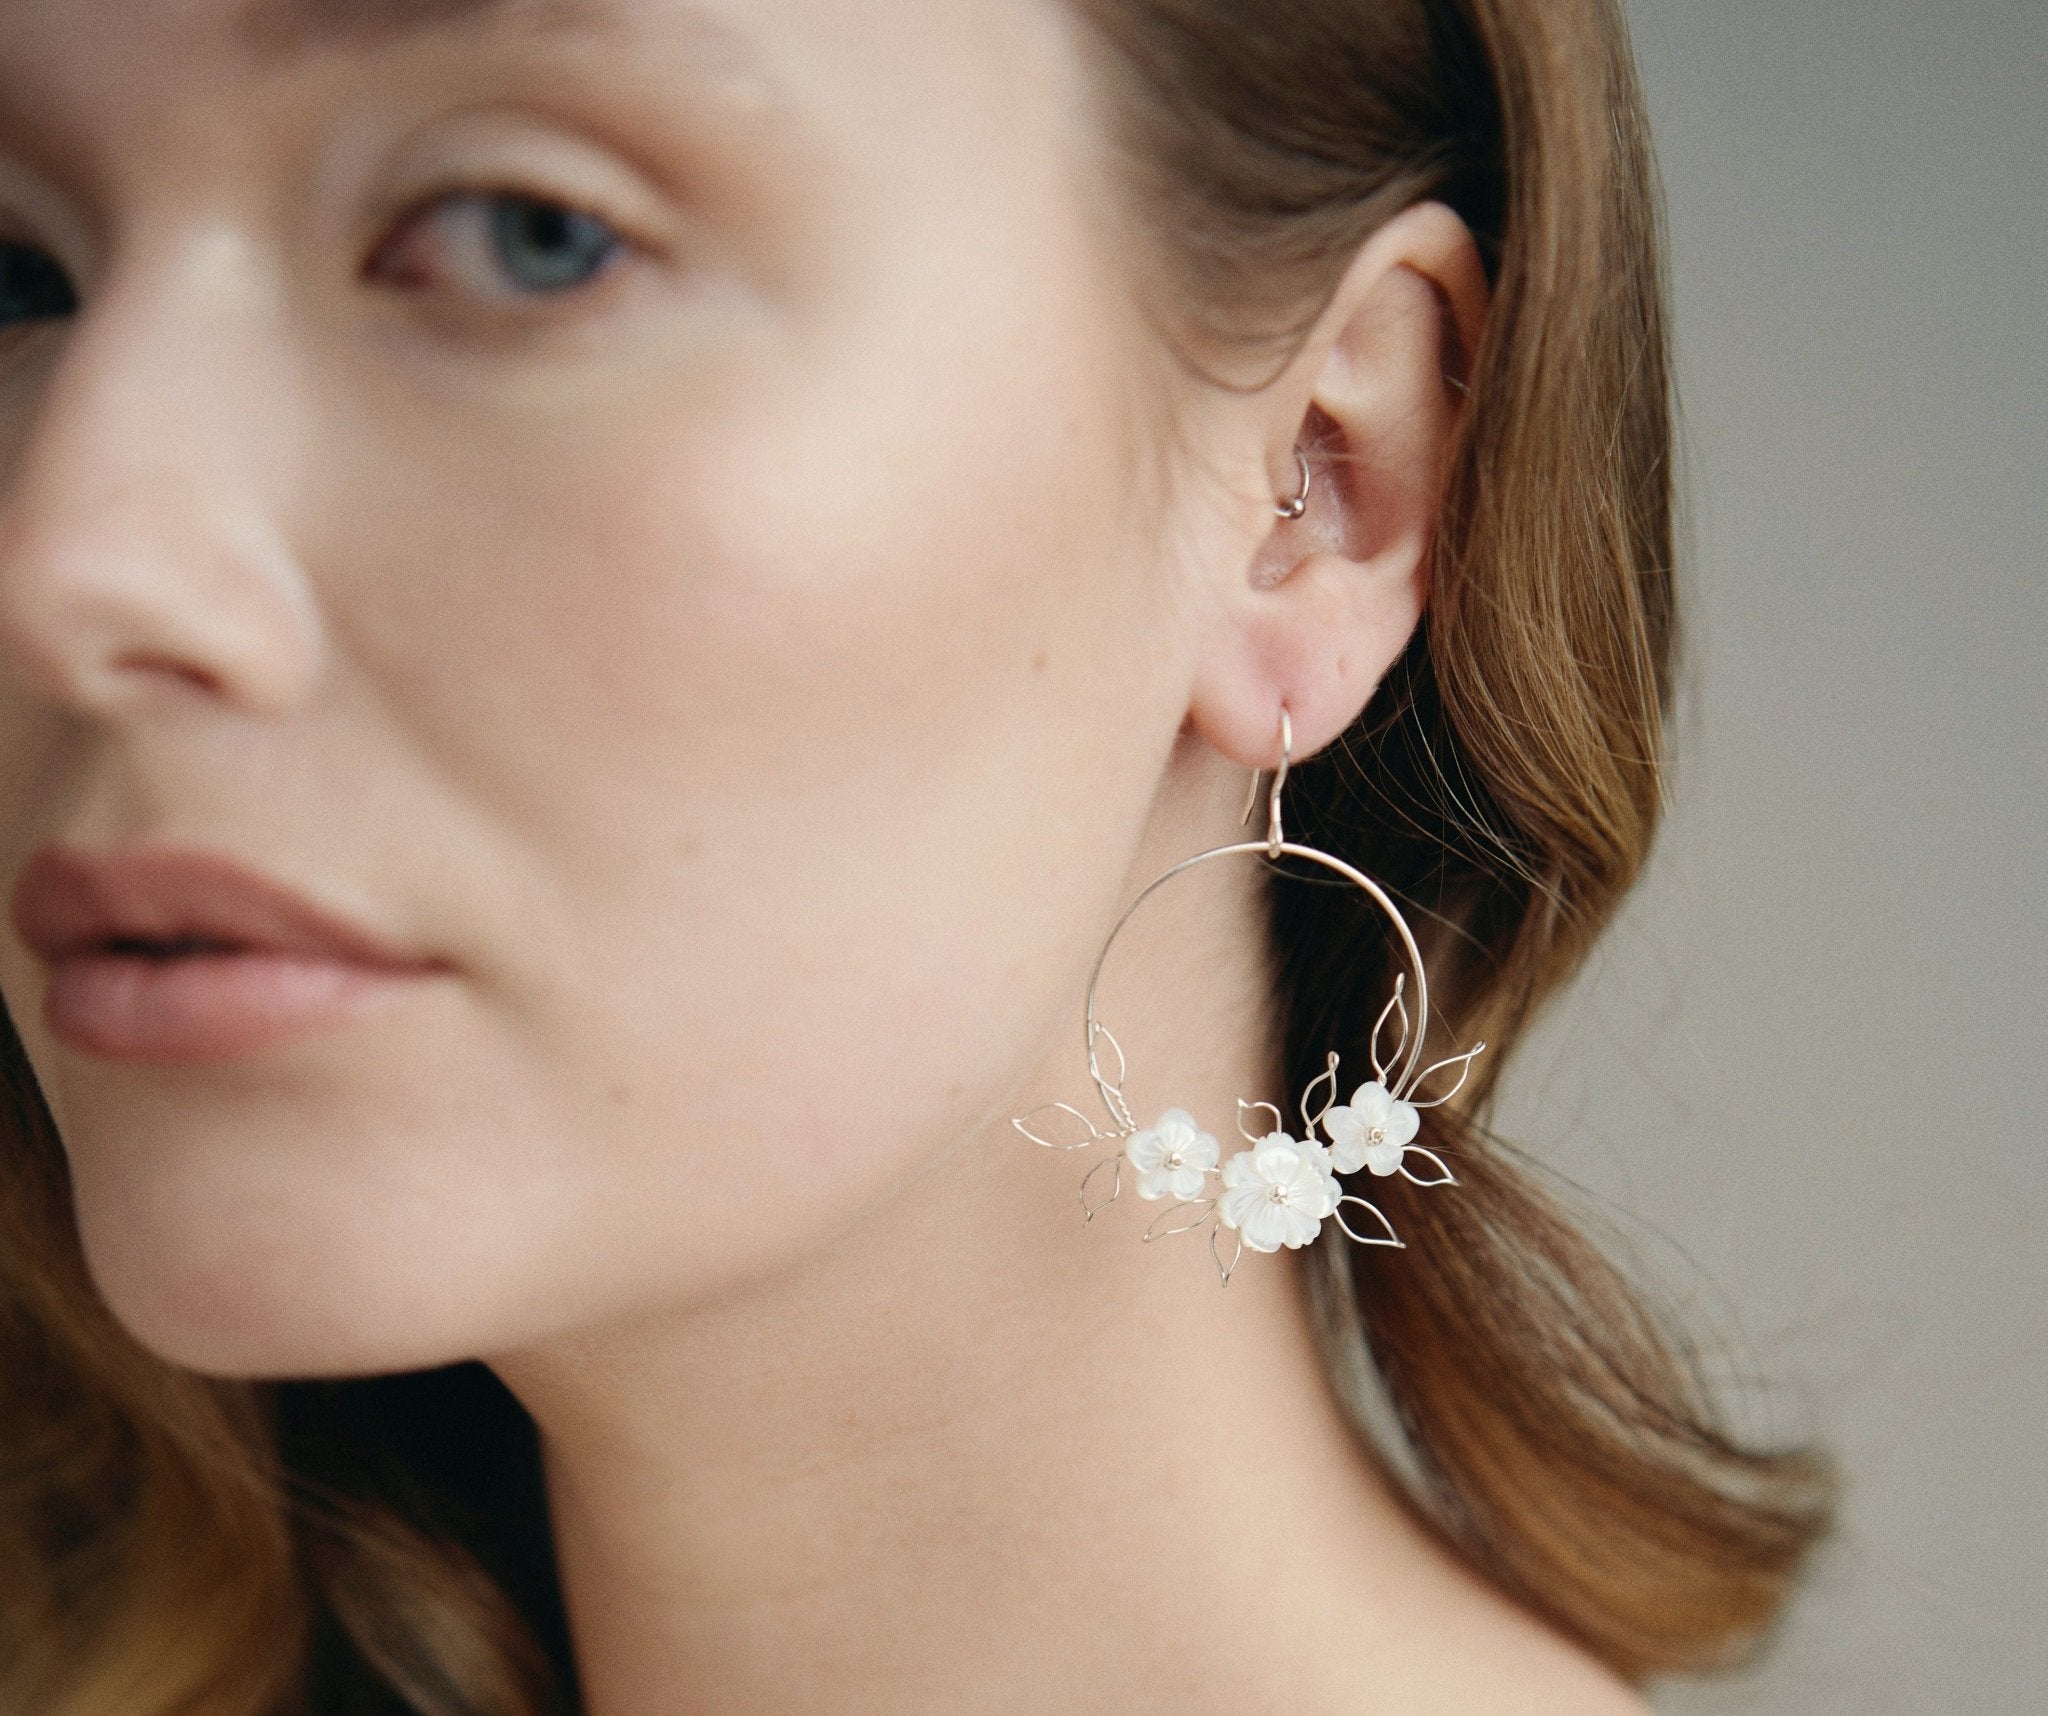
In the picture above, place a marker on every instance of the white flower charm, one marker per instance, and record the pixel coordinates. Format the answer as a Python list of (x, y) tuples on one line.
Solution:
[(1277, 1193), (1377, 1131), (1173, 1156), (1374, 1131)]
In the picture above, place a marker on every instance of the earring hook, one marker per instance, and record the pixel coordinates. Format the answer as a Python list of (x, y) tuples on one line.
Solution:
[(1276, 829)]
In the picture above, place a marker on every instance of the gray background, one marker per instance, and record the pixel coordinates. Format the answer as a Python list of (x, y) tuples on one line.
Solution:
[(1808, 1068)]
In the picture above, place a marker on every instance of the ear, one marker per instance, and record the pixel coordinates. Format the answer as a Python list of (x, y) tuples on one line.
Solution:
[(1373, 400)]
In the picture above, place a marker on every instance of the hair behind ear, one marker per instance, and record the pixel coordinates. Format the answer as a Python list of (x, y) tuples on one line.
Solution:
[(1506, 779)]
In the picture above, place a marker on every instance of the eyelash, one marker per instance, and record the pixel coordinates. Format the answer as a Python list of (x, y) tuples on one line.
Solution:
[(30, 273)]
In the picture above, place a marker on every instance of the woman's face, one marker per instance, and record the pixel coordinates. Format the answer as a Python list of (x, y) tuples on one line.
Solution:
[(640, 507)]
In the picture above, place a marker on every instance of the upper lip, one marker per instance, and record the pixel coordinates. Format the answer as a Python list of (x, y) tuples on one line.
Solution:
[(70, 902)]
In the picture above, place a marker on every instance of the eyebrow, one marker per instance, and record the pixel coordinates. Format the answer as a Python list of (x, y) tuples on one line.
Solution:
[(270, 30)]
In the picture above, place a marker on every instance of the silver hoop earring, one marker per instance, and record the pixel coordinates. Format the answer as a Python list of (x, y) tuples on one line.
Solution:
[(1298, 505), (1279, 1190)]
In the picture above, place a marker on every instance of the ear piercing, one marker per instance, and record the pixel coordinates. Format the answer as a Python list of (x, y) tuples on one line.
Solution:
[(1298, 505)]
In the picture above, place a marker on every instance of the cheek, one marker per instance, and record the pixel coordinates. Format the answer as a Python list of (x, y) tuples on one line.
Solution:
[(766, 833), (771, 766)]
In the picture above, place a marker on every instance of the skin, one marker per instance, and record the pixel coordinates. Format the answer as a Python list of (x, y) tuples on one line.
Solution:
[(760, 675)]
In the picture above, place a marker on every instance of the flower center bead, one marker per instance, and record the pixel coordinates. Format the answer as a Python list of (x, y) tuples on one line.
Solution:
[(1378, 1135)]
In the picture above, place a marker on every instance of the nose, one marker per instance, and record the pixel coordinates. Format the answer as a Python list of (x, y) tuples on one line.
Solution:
[(142, 551)]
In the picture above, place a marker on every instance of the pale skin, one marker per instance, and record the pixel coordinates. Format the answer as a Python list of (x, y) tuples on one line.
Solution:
[(760, 674)]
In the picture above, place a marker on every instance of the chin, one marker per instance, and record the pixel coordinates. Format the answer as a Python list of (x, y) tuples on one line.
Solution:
[(273, 1288)]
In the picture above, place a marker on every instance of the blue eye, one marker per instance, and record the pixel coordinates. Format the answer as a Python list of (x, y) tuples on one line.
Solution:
[(32, 288), (549, 248), (498, 244)]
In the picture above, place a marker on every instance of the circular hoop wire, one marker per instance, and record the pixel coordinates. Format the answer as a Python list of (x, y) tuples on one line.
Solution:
[(1274, 849)]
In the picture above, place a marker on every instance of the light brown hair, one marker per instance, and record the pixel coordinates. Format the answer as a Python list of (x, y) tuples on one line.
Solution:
[(169, 1544)]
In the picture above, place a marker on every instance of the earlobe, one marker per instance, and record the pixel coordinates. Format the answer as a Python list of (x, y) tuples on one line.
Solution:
[(1316, 645), (1330, 598)]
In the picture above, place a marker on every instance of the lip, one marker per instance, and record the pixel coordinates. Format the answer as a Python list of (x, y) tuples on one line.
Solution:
[(181, 958)]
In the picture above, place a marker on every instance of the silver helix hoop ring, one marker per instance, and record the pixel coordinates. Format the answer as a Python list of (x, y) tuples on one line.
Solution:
[(1280, 1190), (1298, 504)]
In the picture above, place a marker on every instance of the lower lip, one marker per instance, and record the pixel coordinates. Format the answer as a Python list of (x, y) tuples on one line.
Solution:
[(207, 1007)]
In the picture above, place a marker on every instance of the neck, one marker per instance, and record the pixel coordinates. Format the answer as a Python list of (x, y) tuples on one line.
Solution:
[(977, 1455)]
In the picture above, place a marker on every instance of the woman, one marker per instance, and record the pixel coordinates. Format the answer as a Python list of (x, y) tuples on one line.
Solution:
[(601, 606)]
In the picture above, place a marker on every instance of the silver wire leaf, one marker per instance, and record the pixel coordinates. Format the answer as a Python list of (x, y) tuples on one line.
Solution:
[(1059, 1126), (1311, 1121), (1464, 1065), (1399, 1006), (1115, 1164), (1244, 1107), (1103, 1035), (1444, 1177), (1236, 1257), (1206, 1205), (1386, 1238)]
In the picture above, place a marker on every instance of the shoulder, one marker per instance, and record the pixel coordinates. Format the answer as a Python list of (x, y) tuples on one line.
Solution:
[(1466, 1649), (1558, 1681), (1441, 1639), (1546, 1677), (1511, 1664), (1511, 1667), (1572, 1685)]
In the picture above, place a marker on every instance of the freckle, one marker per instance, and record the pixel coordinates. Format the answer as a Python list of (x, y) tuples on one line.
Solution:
[(620, 1096), (690, 848), (1039, 662)]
